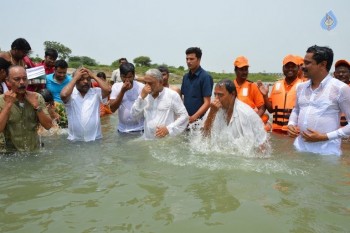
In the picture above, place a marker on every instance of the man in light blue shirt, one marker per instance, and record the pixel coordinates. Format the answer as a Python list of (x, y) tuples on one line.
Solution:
[(58, 80)]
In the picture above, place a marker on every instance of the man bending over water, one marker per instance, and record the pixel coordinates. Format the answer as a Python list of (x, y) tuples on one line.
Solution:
[(229, 118)]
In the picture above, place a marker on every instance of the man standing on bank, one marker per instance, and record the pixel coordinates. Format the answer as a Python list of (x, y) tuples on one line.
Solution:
[(314, 121), (197, 86)]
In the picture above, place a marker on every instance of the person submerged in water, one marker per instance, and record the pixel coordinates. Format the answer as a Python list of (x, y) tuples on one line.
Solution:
[(230, 119)]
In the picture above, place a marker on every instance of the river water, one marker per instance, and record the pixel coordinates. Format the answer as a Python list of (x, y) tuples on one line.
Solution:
[(122, 184)]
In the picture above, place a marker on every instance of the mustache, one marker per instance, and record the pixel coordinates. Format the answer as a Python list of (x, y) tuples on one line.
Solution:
[(22, 87)]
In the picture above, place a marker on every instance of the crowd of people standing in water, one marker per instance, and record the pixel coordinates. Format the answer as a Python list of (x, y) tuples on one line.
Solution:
[(308, 104)]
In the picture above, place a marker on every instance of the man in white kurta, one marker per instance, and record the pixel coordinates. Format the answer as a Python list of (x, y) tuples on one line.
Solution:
[(162, 108), (232, 123), (315, 119), (83, 105)]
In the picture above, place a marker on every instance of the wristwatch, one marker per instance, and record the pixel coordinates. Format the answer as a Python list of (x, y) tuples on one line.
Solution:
[(38, 109)]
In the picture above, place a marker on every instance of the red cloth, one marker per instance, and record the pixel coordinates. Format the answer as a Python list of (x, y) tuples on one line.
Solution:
[(95, 84), (29, 63), (48, 70)]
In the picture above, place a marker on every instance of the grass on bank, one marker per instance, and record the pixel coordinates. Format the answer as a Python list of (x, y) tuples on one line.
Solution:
[(177, 73)]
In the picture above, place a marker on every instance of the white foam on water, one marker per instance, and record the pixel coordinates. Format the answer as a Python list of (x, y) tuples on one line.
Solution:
[(203, 153)]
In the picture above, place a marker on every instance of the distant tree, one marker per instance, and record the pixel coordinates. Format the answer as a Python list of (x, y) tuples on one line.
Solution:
[(142, 61), (181, 68), (63, 51), (36, 59), (84, 60), (115, 63)]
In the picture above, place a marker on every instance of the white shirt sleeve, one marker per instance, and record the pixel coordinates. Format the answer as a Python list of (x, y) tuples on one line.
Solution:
[(182, 118), (293, 119), (138, 107), (115, 92), (344, 103)]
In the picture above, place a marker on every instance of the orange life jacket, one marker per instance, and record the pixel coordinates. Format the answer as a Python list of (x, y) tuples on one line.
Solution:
[(283, 103)]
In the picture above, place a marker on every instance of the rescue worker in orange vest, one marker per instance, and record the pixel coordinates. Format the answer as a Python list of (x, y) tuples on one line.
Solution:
[(247, 91), (283, 94), (342, 73), (300, 71)]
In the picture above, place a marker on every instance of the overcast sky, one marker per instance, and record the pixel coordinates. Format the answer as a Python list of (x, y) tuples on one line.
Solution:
[(105, 30)]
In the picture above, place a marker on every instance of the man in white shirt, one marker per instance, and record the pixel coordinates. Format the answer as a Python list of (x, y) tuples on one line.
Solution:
[(115, 77), (164, 112), (314, 121), (83, 105), (123, 97), (232, 122)]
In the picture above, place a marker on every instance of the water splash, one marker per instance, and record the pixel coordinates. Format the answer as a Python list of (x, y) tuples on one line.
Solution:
[(224, 142), (213, 154)]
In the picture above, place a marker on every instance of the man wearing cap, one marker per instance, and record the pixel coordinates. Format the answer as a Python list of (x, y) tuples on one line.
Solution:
[(247, 91), (342, 71), (197, 86), (300, 62), (283, 94), (314, 122)]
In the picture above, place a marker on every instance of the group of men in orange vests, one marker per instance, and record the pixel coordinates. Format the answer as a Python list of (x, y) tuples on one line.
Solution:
[(281, 100)]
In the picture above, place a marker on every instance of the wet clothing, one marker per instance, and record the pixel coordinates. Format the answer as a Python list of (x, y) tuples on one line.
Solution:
[(165, 110), (84, 123), (127, 123), (320, 110), (21, 128), (195, 86), (245, 126)]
